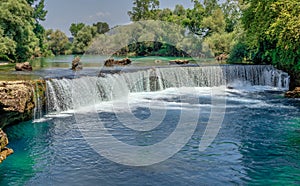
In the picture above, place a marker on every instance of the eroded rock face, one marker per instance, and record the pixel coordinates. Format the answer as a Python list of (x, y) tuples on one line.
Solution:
[(4, 151), (16, 102), (293, 94)]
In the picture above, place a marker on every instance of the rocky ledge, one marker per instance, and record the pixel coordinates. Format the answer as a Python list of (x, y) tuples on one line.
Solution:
[(4, 151), (16, 102), (294, 93)]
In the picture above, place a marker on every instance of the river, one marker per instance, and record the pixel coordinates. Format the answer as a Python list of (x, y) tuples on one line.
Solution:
[(255, 139)]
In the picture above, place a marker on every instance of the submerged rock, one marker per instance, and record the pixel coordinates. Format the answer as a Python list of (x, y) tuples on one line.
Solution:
[(76, 64), (122, 62), (4, 151), (23, 66), (293, 94)]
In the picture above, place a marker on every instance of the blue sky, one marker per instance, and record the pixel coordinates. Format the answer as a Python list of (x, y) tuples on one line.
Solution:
[(62, 13)]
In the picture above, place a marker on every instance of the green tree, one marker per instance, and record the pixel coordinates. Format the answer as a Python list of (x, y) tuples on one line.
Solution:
[(165, 14), (220, 42), (7, 46), (274, 28), (232, 13), (83, 39), (214, 23), (102, 27), (216, 37), (75, 28), (179, 10), (144, 10), (57, 42), (194, 19), (210, 6), (39, 15), (17, 22)]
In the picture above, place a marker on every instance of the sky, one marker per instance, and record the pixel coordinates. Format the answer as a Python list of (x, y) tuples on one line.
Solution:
[(62, 13)]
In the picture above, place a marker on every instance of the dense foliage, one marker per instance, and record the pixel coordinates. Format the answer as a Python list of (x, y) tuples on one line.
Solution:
[(21, 34), (209, 23), (270, 35)]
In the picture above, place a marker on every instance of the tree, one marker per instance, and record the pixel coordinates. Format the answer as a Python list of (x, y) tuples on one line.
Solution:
[(102, 27), (232, 13), (18, 24), (215, 23), (274, 26), (220, 43), (39, 14), (194, 19), (7, 46), (83, 39), (21, 30), (165, 14), (210, 6), (57, 42), (144, 10), (75, 28), (179, 10)]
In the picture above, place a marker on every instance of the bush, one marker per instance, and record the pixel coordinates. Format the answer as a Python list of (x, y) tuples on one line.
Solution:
[(239, 53)]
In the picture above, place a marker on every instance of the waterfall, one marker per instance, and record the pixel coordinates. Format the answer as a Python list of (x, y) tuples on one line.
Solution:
[(38, 90), (62, 93)]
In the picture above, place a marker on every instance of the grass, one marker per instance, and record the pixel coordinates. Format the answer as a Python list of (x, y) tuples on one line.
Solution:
[(6, 67)]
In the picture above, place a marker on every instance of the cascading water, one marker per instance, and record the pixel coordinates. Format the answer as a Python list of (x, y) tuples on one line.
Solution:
[(38, 99), (62, 93)]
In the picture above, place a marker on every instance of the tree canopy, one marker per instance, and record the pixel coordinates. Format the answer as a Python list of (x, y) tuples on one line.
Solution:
[(274, 30), (20, 30)]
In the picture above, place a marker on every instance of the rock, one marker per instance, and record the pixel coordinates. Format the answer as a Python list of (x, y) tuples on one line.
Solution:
[(23, 66), (158, 61), (122, 62), (109, 63), (16, 102), (76, 64), (3, 140), (4, 151), (222, 57), (293, 94), (178, 62)]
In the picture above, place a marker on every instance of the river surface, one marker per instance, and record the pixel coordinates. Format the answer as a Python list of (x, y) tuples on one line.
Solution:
[(257, 143)]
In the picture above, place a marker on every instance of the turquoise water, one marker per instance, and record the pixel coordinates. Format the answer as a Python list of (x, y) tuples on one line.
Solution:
[(258, 144)]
